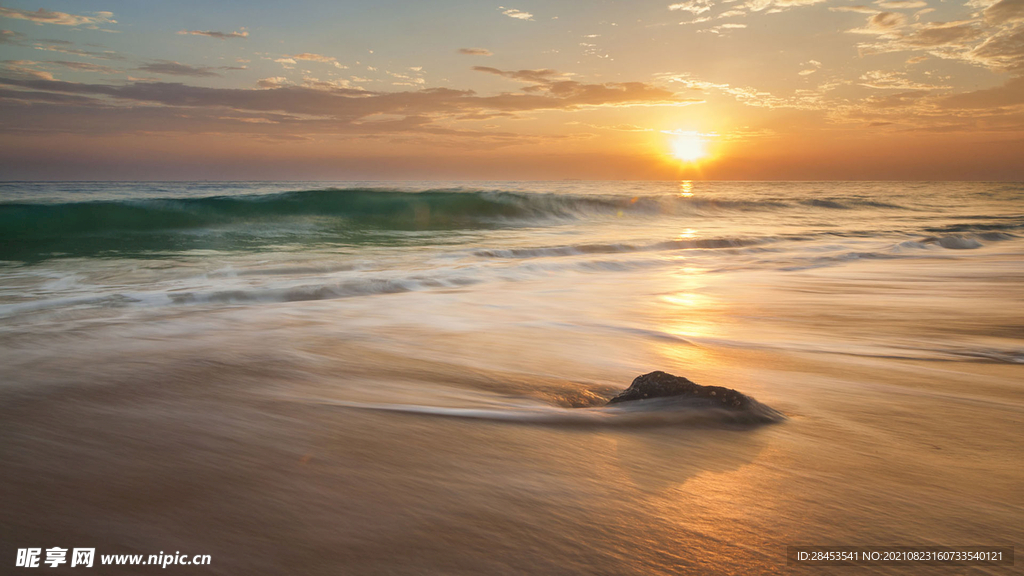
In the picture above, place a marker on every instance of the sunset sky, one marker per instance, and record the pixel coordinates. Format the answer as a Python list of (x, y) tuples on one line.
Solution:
[(741, 89)]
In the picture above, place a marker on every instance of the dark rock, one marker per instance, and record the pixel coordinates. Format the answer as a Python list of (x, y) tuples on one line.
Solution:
[(663, 385)]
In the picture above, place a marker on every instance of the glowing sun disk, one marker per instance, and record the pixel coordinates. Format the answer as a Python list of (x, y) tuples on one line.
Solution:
[(688, 147)]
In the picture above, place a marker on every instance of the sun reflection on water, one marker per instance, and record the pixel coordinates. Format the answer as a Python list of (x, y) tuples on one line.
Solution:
[(686, 313)]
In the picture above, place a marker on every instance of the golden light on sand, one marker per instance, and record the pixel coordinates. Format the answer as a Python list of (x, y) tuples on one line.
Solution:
[(688, 146)]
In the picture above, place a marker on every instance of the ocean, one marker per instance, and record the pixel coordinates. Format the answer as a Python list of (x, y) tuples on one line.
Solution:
[(410, 377)]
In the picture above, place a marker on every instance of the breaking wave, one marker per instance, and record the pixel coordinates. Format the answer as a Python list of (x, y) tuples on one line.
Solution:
[(87, 228)]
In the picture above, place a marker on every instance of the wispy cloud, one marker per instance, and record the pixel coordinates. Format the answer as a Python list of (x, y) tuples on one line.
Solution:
[(311, 57), (882, 23), (748, 95), (64, 47), (43, 16), (614, 127), (24, 69), (693, 6), (811, 66), (406, 79), (514, 13), (171, 68), (901, 4), (859, 9), (775, 6), (475, 52), (85, 67), (889, 80), (243, 33), (290, 60), (540, 76), (718, 29), (11, 37)]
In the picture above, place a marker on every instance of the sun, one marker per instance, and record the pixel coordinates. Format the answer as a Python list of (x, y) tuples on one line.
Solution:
[(689, 146)]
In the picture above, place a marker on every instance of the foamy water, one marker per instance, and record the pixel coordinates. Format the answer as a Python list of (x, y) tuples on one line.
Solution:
[(410, 378)]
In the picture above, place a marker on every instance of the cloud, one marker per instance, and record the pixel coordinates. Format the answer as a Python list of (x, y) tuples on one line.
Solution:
[(310, 57), (919, 13), (936, 34), (775, 6), (177, 69), (592, 49), (888, 80), (43, 16), (273, 82), (897, 100), (718, 29), (314, 57), (796, 3), (814, 65), (36, 97), (24, 70), (318, 84), (882, 23), (11, 37), (693, 6), (885, 20), (917, 107), (313, 108), (62, 47), (407, 79), (998, 47), (858, 9), (1003, 51), (251, 120), (615, 127), (541, 76), (85, 67), (243, 33), (750, 96), (475, 52), (1009, 94), (901, 4), (514, 13), (1005, 12)]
